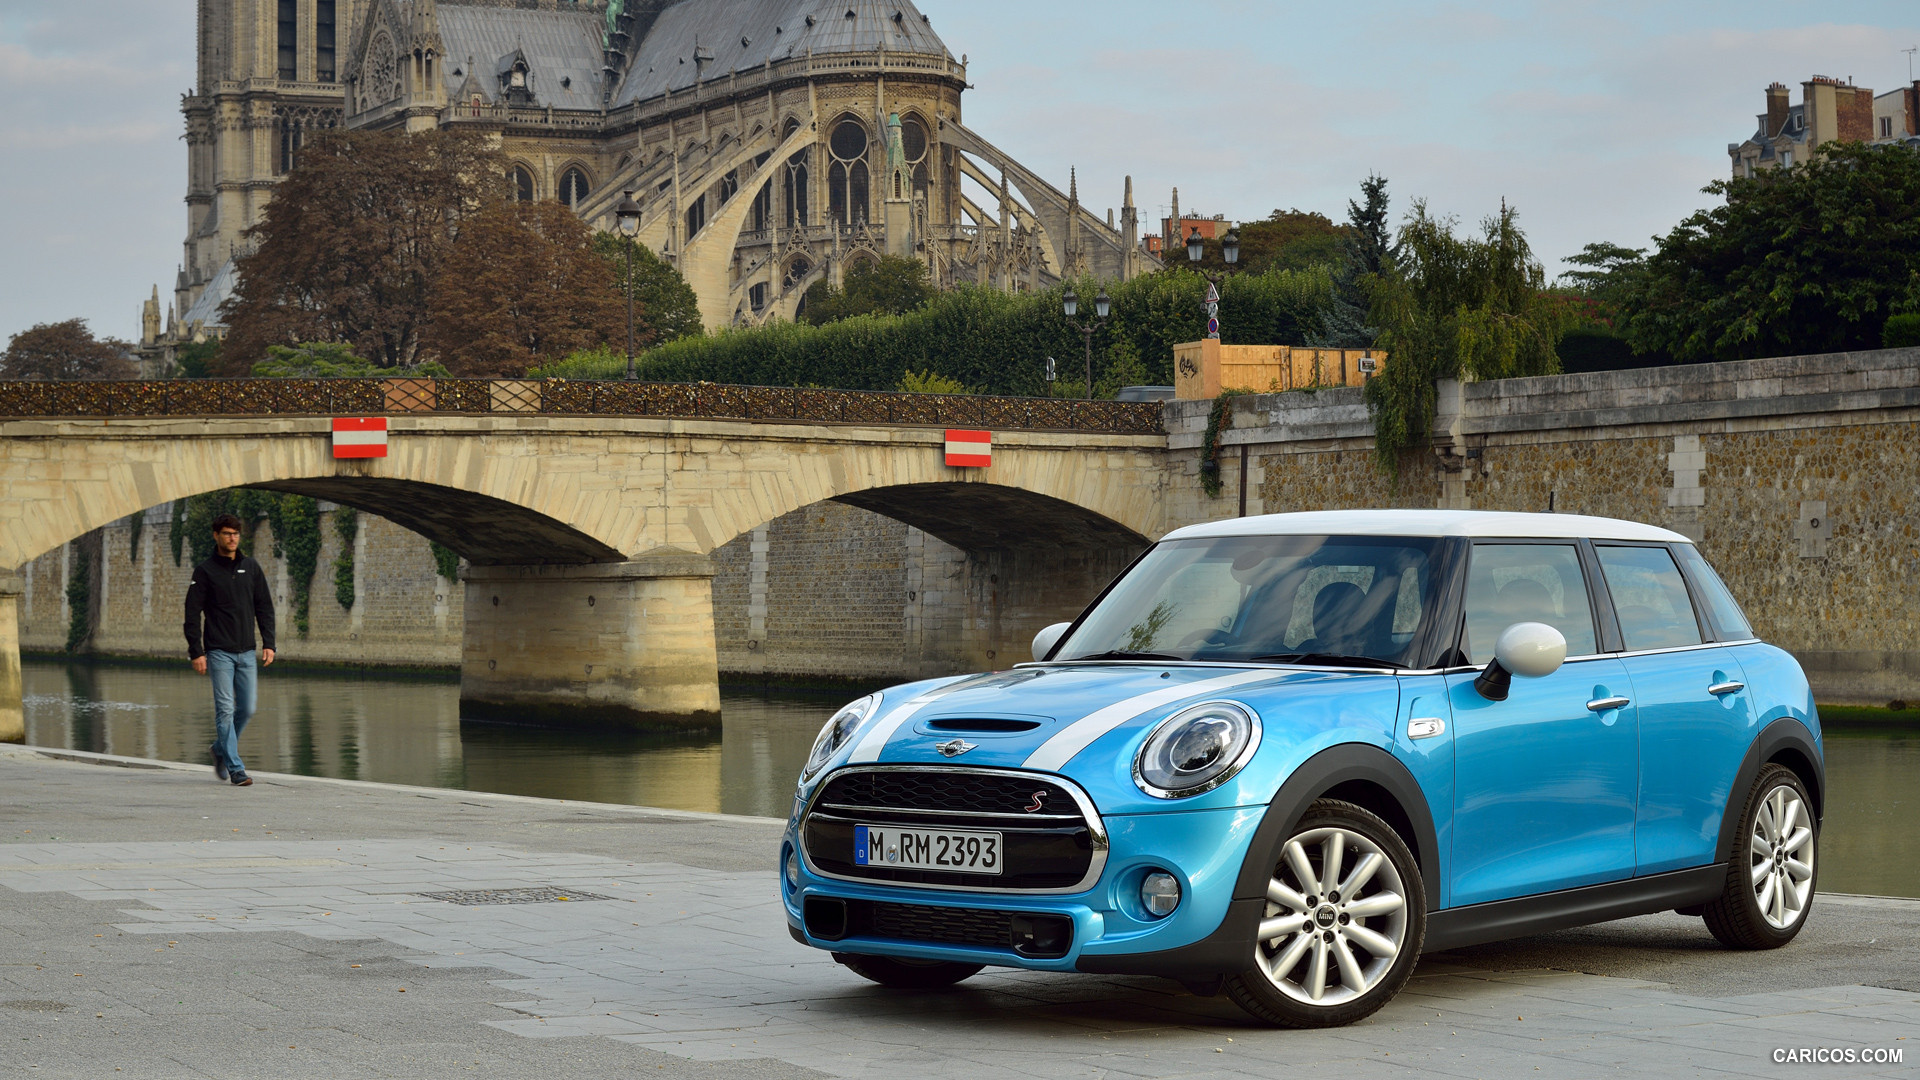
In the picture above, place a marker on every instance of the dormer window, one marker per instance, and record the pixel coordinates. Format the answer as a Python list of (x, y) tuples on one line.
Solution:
[(518, 79)]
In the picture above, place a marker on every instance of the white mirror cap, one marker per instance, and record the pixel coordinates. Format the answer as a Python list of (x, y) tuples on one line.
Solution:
[(1045, 640), (1531, 649)]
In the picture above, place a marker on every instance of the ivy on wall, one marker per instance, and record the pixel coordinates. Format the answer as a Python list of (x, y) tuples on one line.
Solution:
[(446, 561), (135, 526), (79, 597), (1210, 443), (177, 532), (346, 526)]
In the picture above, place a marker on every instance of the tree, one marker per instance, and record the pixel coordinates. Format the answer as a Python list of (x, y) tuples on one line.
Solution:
[(1291, 240), (329, 360), (1369, 238), (663, 302), (892, 286), (352, 243), (1449, 307), (65, 350), (1810, 259), (521, 285)]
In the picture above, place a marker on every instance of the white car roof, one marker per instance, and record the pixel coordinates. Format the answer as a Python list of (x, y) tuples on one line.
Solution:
[(1430, 523)]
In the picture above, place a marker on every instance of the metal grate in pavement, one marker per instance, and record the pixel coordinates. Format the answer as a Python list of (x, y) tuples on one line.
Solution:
[(542, 894)]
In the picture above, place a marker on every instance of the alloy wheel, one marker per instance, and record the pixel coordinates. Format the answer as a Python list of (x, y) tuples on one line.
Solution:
[(1780, 853), (1336, 918)]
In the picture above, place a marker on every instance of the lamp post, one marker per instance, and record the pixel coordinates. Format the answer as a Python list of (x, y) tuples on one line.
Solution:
[(1101, 307), (627, 216), (1229, 251)]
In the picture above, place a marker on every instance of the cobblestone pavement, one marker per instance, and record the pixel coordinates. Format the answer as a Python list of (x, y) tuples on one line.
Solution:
[(155, 924)]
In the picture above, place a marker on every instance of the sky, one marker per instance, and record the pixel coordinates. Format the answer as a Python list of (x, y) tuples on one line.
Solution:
[(1598, 122)]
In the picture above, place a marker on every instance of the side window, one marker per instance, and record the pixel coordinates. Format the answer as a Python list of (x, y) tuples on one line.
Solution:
[(1650, 597), (1727, 616), (1511, 583)]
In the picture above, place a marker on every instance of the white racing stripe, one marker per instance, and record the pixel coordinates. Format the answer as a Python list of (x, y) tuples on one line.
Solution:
[(882, 729), (1080, 734)]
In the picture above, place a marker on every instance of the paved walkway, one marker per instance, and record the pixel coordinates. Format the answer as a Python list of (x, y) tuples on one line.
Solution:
[(159, 925)]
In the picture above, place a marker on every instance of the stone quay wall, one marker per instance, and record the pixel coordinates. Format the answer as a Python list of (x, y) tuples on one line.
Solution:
[(1799, 477)]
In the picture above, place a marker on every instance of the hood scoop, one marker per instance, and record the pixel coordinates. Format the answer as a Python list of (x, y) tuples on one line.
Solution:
[(993, 724)]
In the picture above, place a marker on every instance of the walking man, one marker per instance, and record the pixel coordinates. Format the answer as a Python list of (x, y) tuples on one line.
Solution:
[(229, 591)]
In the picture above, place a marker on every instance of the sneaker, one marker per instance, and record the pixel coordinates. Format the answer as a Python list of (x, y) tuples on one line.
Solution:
[(241, 779), (219, 767)]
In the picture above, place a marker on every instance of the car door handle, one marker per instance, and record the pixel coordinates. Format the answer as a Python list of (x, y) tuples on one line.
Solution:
[(1606, 704), (1726, 688)]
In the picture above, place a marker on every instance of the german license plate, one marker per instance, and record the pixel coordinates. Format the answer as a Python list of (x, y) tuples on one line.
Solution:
[(962, 850)]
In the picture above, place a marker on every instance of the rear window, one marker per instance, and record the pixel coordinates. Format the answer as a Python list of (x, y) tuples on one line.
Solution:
[(1727, 617), (1650, 598)]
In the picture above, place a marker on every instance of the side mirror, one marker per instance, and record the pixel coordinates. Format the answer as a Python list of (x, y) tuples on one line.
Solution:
[(1045, 640), (1530, 650)]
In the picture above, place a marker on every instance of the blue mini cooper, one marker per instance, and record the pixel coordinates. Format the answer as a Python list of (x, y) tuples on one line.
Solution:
[(1283, 756)]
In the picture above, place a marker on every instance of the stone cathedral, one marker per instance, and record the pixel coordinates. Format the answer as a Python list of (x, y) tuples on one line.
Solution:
[(770, 143)]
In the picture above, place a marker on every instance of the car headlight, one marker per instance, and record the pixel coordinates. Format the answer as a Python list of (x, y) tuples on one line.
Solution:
[(835, 735), (1197, 749)]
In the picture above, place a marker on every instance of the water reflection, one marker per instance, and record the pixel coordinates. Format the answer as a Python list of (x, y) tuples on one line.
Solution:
[(409, 732)]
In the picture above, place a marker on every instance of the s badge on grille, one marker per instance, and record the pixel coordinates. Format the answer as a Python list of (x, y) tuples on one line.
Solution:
[(1039, 800), (953, 747)]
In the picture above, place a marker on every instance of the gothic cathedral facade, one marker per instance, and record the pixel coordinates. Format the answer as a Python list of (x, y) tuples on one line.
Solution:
[(770, 143)]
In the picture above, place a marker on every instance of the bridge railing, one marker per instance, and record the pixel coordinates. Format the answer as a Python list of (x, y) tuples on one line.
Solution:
[(567, 397)]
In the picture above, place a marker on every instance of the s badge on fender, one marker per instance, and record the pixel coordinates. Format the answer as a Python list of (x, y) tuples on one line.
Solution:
[(953, 747)]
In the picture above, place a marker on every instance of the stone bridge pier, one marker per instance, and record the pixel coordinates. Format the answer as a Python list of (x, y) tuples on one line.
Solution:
[(627, 644), (13, 718)]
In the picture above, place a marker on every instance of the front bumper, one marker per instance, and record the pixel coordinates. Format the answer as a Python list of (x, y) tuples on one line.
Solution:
[(1105, 925)]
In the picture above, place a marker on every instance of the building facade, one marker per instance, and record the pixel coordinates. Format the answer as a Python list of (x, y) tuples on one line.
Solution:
[(770, 143), (1829, 111)]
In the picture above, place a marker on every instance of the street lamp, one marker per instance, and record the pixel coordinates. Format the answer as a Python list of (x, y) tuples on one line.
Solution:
[(1102, 306), (1229, 251), (627, 216)]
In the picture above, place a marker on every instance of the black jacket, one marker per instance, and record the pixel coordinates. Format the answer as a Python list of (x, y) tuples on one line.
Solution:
[(233, 595)]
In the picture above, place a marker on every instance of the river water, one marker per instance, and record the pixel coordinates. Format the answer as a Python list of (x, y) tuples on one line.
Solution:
[(409, 732)]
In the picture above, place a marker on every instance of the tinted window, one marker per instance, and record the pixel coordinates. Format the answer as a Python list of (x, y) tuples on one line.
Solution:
[(1650, 597), (1726, 614), (1263, 597), (1513, 583)]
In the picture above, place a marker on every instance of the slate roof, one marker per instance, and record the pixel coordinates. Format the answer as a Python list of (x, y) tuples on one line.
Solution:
[(744, 34), (563, 49), (206, 310)]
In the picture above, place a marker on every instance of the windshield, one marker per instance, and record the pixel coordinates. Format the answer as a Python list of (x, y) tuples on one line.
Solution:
[(1312, 599)]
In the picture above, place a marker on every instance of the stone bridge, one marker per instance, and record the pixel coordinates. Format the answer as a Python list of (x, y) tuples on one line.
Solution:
[(588, 524)]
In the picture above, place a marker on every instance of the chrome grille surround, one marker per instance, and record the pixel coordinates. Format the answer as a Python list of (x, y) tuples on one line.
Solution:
[(1008, 824)]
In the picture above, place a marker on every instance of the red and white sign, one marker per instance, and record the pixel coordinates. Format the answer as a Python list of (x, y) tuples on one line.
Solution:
[(359, 436), (969, 449)]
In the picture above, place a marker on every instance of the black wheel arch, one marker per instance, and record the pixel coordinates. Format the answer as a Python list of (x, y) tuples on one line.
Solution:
[(1787, 742), (1359, 773)]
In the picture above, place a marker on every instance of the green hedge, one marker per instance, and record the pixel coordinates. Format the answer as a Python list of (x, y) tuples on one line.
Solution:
[(992, 341)]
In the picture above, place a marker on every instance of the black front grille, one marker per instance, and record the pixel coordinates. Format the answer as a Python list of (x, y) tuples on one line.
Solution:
[(971, 792), (950, 926), (1049, 843)]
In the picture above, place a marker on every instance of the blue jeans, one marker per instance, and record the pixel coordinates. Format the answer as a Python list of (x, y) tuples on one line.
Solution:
[(233, 694)]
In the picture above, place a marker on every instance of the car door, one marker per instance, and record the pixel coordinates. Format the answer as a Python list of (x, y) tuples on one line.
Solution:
[(1695, 713), (1544, 781)]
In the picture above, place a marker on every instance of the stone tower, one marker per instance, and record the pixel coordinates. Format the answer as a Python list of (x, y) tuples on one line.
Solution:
[(268, 74)]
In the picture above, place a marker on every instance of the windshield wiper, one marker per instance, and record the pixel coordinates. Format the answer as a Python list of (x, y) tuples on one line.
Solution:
[(1342, 659), (1122, 654)]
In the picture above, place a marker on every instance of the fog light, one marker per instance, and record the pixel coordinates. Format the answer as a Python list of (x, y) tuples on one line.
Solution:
[(1160, 894), (793, 870)]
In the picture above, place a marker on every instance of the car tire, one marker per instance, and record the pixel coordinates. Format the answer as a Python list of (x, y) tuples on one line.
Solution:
[(1772, 871), (1333, 948), (903, 974)]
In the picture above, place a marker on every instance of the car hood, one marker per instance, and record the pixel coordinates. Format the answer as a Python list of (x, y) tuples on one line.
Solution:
[(1042, 716)]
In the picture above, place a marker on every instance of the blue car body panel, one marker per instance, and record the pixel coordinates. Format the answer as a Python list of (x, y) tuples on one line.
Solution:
[(1691, 745)]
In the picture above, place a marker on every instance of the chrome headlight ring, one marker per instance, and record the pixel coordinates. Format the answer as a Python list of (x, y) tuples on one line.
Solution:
[(837, 732), (1197, 749)]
